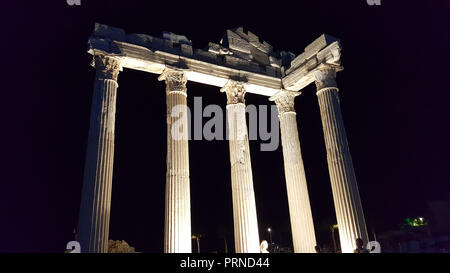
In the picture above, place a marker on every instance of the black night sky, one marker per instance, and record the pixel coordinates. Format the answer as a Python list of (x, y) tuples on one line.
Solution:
[(394, 92)]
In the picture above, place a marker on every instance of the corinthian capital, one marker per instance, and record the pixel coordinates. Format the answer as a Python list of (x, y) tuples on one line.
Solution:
[(107, 67), (175, 80), (325, 77), (284, 100), (235, 92)]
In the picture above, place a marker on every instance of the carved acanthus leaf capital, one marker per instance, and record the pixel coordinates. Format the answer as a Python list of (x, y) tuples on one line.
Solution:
[(325, 77), (175, 79), (235, 92), (284, 100), (107, 67)]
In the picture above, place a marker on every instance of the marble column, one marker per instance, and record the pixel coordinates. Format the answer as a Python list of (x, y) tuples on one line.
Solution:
[(349, 212), (93, 224), (244, 207), (302, 225), (177, 223)]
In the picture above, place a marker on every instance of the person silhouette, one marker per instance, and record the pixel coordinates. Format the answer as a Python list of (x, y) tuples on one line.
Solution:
[(317, 249), (360, 246), (263, 247)]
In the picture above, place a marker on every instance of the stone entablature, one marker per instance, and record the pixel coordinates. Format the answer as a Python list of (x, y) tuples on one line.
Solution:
[(239, 54)]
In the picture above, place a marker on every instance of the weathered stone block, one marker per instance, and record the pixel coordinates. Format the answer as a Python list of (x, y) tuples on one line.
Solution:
[(265, 47), (254, 67), (214, 48), (252, 38), (237, 43), (298, 60), (260, 57), (330, 54), (233, 61), (175, 38), (112, 33), (321, 42), (140, 39), (157, 42), (99, 44), (186, 49), (168, 43), (271, 71), (275, 62), (205, 55), (242, 55)]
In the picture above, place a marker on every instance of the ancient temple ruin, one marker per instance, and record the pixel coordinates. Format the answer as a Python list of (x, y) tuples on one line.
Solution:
[(239, 63)]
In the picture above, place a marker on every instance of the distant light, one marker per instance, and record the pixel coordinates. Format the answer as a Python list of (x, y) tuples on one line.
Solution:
[(415, 222), (269, 229)]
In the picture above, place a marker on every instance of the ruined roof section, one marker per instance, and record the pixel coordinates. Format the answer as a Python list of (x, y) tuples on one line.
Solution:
[(237, 49), (239, 53), (310, 54), (325, 51), (238, 46)]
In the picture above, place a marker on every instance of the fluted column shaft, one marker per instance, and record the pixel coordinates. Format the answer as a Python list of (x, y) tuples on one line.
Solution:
[(177, 224), (349, 212), (302, 225), (93, 224), (244, 206)]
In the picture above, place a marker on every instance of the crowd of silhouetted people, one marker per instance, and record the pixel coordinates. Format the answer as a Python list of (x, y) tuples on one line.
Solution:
[(359, 248)]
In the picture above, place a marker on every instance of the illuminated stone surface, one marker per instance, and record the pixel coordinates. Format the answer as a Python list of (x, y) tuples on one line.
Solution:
[(241, 62), (349, 212), (177, 223), (93, 225), (302, 226), (246, 235)]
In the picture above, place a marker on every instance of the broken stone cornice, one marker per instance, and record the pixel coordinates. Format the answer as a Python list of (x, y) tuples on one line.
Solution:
[(239, 50), (312, 50)]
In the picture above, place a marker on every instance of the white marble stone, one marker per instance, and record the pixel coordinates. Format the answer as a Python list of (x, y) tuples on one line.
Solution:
[(349, 211), (246, 234), (302, 225), (93, 224), (177, 223)]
